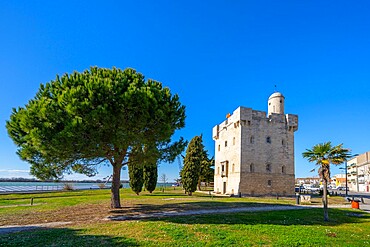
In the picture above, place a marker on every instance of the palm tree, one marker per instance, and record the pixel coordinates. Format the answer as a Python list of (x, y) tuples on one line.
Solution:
[(323, 155)]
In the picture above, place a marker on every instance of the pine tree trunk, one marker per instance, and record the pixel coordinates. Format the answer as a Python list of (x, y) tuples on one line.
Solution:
[(325, 200), (116, 183), (199, 185)]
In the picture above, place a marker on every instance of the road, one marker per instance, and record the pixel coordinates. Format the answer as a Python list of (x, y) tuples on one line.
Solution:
[(351, 193)]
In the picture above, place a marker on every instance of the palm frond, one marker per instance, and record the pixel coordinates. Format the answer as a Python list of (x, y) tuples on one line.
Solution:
[(324, 154)]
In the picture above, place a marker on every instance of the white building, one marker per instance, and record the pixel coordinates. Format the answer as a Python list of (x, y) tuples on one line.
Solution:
[(358, 173)]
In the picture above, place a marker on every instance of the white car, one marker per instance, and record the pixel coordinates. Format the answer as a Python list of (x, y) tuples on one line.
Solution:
[(342, 188), (313, 188)]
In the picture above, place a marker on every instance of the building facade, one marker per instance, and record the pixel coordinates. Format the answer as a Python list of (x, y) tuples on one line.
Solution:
[(338, 180), (254, 152), (358, 173)]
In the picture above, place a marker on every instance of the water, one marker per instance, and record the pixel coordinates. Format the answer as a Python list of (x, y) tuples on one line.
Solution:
[(6, 187), (47, 186)]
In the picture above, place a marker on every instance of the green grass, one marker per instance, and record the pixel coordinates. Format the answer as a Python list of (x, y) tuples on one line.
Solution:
[(276, 228)]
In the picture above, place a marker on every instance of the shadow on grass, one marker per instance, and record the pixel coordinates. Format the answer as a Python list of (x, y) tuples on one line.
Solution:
[(43, 236), (181, 206), (304, 217), (293, 216)]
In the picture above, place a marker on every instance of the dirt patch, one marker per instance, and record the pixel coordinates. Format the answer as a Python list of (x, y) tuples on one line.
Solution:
[(79, 213)]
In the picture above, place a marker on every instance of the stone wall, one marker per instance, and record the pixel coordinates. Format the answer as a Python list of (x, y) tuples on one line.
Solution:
[(257, 184)]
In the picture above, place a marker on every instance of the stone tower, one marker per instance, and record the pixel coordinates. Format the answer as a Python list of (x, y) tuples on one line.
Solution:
[(255, 152), (276, 103)]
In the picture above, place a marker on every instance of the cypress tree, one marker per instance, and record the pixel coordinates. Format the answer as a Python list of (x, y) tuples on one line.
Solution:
[(150, 176), (206, 173), (135, 171), (192, 164)]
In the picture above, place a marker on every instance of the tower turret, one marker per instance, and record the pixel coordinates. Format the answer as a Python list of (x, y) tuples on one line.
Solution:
[(276, 103)]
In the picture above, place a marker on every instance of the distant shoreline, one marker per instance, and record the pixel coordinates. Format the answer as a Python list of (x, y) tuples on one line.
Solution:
[(53, 181)]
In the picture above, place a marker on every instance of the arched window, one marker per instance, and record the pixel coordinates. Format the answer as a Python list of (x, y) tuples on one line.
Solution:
[(251, 167), (283, 170), (233, 140), (282, 142), (219, 147), (233, 168)]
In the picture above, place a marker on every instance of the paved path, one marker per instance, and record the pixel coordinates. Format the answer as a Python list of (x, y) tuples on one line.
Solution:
[(19, 228), (366, 205)]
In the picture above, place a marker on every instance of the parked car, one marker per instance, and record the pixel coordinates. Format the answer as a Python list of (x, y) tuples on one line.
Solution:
[(313, 188), (299, 189), (342, 188)]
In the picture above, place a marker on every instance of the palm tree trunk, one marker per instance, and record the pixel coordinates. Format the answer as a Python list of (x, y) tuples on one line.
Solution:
[(325, 200), (116, 183)]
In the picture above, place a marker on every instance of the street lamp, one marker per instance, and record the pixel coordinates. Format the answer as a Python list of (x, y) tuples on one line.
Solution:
[(345, 167)]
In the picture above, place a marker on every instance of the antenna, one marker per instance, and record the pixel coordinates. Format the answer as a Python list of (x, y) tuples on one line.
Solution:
[(275, 89)]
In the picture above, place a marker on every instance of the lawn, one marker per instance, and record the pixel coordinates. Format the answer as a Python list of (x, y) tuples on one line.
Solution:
[(87, 210)]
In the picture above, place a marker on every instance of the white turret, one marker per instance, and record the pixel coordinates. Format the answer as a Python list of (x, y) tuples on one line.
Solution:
[(276, 103)]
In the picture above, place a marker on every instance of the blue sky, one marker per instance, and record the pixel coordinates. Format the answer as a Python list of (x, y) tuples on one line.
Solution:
[(217, 55)]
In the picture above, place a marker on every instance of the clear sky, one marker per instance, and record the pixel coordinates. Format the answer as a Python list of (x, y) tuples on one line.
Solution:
[(217, 55)]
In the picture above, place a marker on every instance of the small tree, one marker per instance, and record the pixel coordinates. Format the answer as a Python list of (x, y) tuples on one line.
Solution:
[(192, 164), (323, 155), (164, 180), (150, 176)]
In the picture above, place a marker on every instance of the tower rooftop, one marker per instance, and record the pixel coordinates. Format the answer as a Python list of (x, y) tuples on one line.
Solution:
[(276, 94)]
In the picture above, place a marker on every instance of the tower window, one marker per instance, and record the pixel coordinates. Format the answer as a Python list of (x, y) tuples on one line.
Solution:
[(268, 168), (233, 140), (219, 147), (283, 170), (251, 168), (269, 182), (233, 168), (268, 139), (225, 143), (251, 140), (282, 142), (249, 123), (224, 168)]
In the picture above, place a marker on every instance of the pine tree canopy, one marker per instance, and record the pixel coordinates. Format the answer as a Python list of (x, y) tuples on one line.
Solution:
[(82, 120)]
